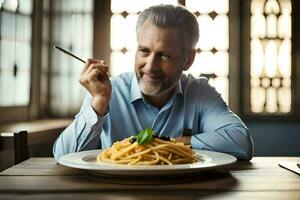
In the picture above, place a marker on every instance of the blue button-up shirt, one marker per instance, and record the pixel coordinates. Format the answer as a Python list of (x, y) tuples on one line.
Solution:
[(195, 105)]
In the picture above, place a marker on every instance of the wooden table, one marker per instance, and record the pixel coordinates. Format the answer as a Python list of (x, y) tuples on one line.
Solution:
[(43, 178)]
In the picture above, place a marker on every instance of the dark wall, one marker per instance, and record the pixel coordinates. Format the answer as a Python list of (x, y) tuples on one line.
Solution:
[(275, 139)]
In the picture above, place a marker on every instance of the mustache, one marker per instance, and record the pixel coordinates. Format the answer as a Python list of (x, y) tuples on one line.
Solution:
[(152, 74)]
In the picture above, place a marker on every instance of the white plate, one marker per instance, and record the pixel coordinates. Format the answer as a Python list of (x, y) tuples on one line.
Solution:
[(87, 160)]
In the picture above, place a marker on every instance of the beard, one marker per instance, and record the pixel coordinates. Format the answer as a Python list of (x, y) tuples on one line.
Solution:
[(155, 84)]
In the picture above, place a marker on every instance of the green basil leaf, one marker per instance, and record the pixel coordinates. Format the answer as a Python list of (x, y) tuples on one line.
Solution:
[(145, 136)]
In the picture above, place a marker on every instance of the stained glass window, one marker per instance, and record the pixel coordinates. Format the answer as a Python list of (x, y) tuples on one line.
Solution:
[(270, 68)]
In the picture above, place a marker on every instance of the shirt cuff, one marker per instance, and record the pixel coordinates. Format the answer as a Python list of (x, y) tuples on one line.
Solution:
[(91, 117)]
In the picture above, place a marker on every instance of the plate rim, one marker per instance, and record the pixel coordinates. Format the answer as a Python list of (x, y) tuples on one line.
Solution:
[(123, 169)]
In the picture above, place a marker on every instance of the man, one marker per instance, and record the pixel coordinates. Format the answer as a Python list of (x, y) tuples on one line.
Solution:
[(158, 95)]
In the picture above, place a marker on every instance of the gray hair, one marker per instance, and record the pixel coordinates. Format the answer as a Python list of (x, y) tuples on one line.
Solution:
[(169, 16)]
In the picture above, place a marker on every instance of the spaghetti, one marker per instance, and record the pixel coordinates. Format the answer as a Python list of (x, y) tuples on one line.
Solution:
[(156, 152)]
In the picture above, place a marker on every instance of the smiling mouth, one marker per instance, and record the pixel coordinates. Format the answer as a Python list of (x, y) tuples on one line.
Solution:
[(152, 78)]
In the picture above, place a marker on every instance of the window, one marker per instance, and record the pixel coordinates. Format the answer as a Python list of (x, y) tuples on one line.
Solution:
[(269, 91), (15, 54), (270, 68), (35, 80)]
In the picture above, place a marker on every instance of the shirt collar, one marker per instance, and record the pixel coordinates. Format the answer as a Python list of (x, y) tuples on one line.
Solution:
[(136, 94), (178, 89)]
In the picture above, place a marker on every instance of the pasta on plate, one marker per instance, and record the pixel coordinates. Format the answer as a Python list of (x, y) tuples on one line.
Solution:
[(156, 151)]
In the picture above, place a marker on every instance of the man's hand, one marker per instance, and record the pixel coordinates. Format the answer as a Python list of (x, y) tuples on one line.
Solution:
[(94, 77)]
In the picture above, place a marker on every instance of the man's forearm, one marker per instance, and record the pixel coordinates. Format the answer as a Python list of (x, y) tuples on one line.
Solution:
[(82, 134), (231, 139)]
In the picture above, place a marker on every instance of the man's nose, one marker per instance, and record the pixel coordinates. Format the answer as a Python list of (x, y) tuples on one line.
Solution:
[(152, 63)]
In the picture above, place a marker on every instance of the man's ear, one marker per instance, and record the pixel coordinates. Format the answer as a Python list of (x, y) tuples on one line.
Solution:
[(190, 60)]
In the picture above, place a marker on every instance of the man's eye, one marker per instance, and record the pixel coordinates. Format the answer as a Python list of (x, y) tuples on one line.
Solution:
[(144, 52), (165, 57)]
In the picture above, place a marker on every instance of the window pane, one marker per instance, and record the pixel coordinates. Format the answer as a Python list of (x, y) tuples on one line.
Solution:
[(118, 59), (134, 6), (130, 35), (206, 41), (221, 30), (11, 5), (202, 6), (117, 26), (25, 6)]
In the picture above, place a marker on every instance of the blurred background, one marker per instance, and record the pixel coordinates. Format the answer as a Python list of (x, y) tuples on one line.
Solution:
[(249, 50)]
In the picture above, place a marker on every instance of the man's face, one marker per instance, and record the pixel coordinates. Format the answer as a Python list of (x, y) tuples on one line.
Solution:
[(159, 60)]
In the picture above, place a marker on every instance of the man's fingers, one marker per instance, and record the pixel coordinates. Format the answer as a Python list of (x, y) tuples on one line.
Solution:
[(87, 64), (90, 62), (93, 75), (97, 75), (94, 70), (101, 67), (104, 69)]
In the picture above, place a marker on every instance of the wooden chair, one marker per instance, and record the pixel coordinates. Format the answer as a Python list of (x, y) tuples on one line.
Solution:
[(20, 146), (17, 144)]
